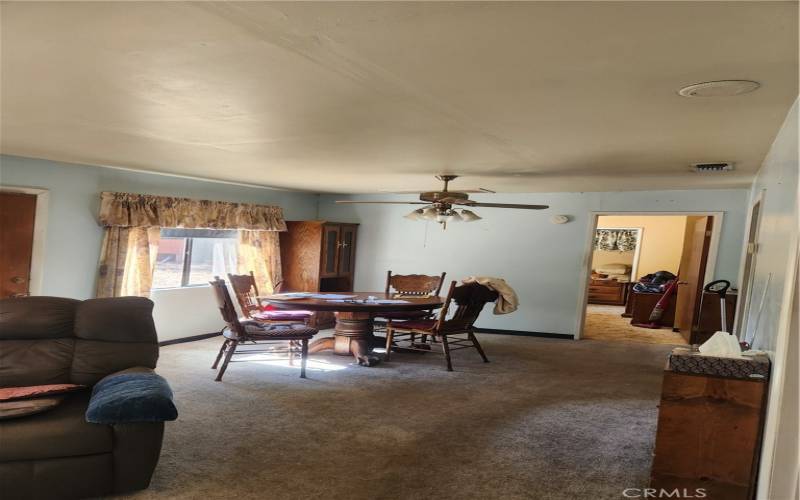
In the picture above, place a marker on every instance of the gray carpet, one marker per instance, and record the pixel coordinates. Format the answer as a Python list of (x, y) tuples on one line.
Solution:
[(546, 418)]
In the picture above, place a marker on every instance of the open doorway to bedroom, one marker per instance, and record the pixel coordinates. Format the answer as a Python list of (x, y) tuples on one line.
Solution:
[(646, 279)]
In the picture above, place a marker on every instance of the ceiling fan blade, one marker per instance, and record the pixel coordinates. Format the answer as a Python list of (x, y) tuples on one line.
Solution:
[(478, 190), (386, 202), (507, 205)]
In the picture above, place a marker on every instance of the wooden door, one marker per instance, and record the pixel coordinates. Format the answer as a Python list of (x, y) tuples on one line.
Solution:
[(696, 242), (17, 216), (331, 239), (347, 248)]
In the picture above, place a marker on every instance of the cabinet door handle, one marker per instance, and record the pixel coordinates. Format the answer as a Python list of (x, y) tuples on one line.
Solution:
[(18, 280)]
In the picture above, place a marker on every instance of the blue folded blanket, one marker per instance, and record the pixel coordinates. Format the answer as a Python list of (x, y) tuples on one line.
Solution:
[(131, 397)]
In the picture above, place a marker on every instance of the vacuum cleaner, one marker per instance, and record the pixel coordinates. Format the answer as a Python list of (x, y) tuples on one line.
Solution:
[(720, 287)]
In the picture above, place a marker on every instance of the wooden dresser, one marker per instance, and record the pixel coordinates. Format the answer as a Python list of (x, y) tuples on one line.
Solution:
[(610, 292), (641, 304), (709, 435), (318, 256)]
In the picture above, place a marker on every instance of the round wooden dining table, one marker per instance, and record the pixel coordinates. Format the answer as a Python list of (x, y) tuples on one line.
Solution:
[(353, 334)]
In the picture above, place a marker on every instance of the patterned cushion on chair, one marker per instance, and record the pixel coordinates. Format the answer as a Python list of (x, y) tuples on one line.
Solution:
[(402, 315), (277, 315), (256, 331), (418, 324)]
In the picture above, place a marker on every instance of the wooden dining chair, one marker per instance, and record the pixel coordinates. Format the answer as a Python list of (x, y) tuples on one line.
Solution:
[(246, 291), (454, 333), (238, 332), (411, 285)]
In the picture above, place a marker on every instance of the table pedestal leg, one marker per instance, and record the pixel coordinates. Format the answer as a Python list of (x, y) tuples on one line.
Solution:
[(353, 336)]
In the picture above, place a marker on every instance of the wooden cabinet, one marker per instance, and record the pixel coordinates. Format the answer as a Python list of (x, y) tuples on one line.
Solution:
[(641, 304), (609, 292), (318, 256), (709, 435), (710, 321), (338, 250)]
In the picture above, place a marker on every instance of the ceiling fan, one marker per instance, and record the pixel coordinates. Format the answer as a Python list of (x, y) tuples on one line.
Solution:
[(440, 204)]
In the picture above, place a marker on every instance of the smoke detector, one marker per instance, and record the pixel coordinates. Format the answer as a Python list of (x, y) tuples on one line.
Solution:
[(721, 166), (721, 88)]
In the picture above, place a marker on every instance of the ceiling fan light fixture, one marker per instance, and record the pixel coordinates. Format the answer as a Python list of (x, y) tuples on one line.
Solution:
[(448, 215), (417, 214), (469, 215), (429, 213)]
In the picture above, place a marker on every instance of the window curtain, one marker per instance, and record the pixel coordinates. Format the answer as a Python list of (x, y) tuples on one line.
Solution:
[(132, 225), (140, 210), (616, 240), (259, 251), (127, 259)]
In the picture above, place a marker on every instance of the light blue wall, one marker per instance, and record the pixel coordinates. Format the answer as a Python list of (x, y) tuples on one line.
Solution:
[(542, 261), (774, 289), (73, 236), (777, 236)]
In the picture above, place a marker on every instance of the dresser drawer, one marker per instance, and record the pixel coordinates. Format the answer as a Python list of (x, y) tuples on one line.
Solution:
[(610, 292)]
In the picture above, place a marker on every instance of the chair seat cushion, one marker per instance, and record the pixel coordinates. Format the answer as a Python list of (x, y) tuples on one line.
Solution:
[(60, 432), (275, 315), (278, 332), (417, 324), (404, 315)]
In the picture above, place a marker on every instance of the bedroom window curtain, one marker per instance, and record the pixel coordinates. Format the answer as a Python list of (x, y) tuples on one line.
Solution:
[(616, 240), (131, 232)]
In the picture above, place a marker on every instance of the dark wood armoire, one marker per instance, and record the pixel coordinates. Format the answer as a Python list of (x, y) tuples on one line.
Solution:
[(318, 256)]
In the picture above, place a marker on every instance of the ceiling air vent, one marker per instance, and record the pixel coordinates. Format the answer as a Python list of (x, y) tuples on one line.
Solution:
[(724, 166)]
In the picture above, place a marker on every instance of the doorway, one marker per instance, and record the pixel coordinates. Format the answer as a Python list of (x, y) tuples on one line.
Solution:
[(645, 275), (23, 218)]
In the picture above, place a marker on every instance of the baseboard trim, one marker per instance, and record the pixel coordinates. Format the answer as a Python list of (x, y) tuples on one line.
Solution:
[(189, 339), (523, 333)]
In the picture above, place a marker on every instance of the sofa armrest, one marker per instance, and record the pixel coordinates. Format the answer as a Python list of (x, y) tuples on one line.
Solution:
[(136, 451), (135, 395)]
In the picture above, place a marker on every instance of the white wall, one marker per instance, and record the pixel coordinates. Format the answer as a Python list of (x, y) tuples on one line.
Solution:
[(775, 278), (542, 261), (72, 243)]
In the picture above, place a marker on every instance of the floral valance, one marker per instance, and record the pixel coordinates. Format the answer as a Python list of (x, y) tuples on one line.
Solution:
[(616, 240), (141, 210)]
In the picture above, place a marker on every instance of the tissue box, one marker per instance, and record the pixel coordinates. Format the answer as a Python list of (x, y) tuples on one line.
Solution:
[(683, 360)]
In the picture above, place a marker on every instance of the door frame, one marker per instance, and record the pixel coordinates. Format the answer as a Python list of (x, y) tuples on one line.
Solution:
[(586, 271), (743, 302), (39, 234)]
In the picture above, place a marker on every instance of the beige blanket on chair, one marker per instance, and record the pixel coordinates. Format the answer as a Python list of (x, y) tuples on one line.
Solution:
[(507, 302)]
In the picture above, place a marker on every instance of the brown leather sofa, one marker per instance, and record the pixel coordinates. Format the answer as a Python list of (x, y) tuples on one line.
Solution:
[(57, 454)]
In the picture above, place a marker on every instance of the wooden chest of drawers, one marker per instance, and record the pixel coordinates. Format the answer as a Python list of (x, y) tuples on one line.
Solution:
[(709, 435), (608, 292)]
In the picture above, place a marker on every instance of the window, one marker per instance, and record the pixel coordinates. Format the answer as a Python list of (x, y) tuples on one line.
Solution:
[(192, 257)]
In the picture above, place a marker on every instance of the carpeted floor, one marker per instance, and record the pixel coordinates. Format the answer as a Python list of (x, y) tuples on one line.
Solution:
[(605, 323), (555, 419)]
